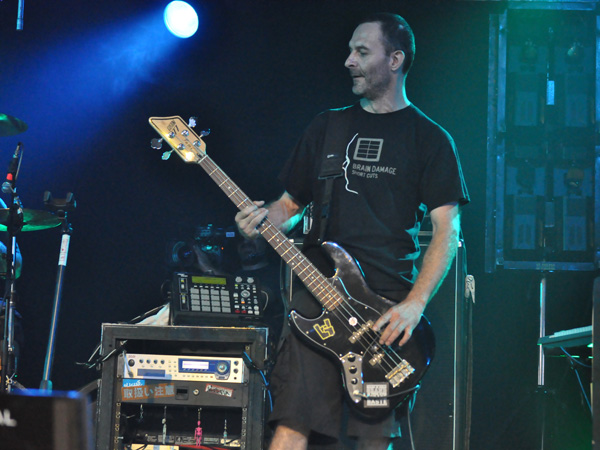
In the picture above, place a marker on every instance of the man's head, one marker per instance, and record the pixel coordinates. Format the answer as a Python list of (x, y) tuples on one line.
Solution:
[(396, 35), (381, 52)]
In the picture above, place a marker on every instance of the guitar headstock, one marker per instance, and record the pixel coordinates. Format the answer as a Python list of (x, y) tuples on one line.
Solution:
[(180, 137)]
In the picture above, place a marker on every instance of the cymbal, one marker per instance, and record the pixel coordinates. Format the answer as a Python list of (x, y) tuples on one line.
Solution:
[(33, 220), (10, 126)]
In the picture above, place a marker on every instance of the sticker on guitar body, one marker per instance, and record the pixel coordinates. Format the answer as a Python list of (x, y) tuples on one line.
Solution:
[(374, 390), (326, 330)]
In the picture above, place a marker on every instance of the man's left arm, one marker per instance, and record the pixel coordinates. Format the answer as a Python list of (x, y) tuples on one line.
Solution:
[(405, 316)]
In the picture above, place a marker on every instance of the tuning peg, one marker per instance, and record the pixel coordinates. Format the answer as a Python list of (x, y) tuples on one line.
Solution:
[(156, 143), (166, 155), (205, 133), (192, 122)]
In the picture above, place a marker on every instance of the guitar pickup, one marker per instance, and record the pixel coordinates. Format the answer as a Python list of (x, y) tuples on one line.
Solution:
[(358, 334), (376, 359), (400, 373)]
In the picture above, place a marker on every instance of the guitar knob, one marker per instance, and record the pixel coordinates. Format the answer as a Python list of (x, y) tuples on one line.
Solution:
[(352, 369)]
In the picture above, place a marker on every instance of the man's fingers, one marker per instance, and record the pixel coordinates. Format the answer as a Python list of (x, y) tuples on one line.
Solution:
[(250, 217), (381, 321), (405, 338)]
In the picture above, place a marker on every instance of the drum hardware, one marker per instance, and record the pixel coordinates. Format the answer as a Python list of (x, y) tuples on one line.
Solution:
[(60, 207), (32, 219), (13, 220), (9, 126), (14, 224)]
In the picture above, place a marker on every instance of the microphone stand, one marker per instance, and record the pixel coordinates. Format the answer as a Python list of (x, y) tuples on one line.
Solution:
[(14, 226), (61, 206)]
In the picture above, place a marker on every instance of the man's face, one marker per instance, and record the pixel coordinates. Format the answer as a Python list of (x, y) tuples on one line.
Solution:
[(368, 63)]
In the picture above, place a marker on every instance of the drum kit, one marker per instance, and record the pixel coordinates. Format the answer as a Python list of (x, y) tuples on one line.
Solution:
[(13, 220)]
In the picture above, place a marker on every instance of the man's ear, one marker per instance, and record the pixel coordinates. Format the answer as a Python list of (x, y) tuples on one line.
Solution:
[(396, 60)]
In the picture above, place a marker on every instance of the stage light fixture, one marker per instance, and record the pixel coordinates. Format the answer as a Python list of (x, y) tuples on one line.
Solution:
[(181, 19)]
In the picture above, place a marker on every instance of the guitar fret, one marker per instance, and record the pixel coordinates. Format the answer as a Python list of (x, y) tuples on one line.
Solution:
[(278, 245), (302, 271), (283, 254), (265, 226)]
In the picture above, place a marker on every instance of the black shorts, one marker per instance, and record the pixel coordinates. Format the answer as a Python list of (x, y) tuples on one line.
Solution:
[(308, 391)]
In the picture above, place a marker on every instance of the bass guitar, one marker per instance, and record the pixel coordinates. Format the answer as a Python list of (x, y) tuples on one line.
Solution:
[(377, 378)]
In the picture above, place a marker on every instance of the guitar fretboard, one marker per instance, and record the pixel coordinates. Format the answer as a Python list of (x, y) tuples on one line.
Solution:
[(316, 283)]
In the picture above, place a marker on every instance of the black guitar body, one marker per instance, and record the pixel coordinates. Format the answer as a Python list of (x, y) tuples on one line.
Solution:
[(377, 378)]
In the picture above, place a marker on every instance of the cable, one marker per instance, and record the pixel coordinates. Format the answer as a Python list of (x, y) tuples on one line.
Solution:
[(89, 364), (574, 360), (143, 316), (266, 294), (587, 400), (101, 358), (409, 408), (266, 383)]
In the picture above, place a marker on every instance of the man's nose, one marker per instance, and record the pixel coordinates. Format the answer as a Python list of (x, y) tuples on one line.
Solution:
[(350, 61)]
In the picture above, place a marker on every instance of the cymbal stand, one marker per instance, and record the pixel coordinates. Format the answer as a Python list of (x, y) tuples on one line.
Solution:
[(61, 207), (14, 226)]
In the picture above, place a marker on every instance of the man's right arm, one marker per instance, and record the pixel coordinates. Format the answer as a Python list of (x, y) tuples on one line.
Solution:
[(284, 213)]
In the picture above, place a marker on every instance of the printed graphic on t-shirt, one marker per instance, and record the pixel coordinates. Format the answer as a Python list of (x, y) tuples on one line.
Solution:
[(368, 151)]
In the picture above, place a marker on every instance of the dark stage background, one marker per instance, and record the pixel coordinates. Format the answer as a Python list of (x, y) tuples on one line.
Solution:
[(86, 76)]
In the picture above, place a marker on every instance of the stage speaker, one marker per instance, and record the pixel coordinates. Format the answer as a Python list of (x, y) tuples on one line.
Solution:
[(37, 420), (441, 415)]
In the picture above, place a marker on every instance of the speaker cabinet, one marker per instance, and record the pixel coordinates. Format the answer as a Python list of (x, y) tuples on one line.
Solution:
[(38, 420), (442, 413)]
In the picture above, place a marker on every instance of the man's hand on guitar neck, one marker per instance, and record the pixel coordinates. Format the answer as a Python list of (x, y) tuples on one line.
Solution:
[(284, 213), (403, 317), (249, 218)]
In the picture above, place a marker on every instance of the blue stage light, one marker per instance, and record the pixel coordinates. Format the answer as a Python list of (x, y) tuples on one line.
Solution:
[(181, 19)]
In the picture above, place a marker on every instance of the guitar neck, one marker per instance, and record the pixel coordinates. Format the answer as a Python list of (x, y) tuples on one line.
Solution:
[(312, 278)]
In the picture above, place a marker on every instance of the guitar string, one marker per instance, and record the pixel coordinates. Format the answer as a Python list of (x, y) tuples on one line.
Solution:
[(221, 178)]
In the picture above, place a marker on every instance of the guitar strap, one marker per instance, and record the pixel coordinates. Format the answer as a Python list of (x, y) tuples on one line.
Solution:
[(332, 159)]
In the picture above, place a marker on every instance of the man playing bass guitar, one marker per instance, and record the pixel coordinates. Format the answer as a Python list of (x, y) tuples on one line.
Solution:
[(388, 165)]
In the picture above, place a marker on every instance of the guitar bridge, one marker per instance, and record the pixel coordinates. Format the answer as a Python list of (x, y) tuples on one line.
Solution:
[(400, 373), (360, 332)]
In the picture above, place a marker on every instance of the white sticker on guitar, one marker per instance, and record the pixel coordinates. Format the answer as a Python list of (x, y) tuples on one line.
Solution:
[(374, 390)]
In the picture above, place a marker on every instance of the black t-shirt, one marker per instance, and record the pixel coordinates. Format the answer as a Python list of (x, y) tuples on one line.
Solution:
[(397, 166)]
